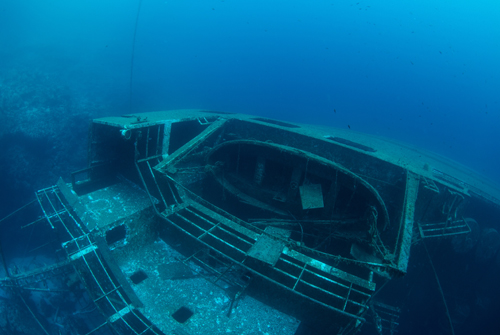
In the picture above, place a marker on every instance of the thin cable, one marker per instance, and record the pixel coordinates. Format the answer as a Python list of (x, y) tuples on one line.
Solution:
[(132, 57), (440, 289), (17, 210)]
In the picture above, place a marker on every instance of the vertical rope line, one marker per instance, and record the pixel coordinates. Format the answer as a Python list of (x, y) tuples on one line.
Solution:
[(440, 289), (133, 53)]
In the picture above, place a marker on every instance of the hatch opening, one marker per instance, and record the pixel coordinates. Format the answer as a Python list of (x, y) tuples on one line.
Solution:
[(182, 314), (138, 277), (116, 234)]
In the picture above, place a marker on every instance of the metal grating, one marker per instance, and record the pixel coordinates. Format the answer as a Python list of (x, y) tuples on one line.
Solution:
[(307, 277), (85, 254), (444, 229)]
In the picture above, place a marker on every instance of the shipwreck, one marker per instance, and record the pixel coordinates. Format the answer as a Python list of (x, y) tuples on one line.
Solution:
[(195, 221)]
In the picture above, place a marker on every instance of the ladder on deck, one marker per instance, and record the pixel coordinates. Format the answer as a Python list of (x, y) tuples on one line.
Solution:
[(444, 229)]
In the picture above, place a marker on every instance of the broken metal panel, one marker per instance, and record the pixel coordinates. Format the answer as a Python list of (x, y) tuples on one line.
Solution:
[(268, 249), (311, 196)]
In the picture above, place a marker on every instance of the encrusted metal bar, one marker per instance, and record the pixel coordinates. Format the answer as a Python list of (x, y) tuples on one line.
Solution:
[(37, 289), (146, 187), (148, 158), (220, 226), (147, 143), (206, 231), (333, 294), (347, 297), (120, 314), (43, 209), (82, 252), (158, 140), (97, 328), (77, 224), (408, 216), (231, 224), (329, 269), (191, 145), (158, 187), (327, 279), (167, 130)]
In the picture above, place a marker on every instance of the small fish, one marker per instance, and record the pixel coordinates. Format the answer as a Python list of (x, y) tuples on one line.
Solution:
[(349, 126), (335, 111)]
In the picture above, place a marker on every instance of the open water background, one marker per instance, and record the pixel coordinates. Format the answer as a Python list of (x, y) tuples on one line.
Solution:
[(422, 72)]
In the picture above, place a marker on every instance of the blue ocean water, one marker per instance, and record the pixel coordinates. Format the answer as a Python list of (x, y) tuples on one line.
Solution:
[(422, 72)]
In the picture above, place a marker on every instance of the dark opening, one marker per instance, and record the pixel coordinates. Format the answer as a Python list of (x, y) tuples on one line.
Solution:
[(183, 132), (278, 123), (350, 143), (138, 277), (116, 234), (113, 154), (182, 314)]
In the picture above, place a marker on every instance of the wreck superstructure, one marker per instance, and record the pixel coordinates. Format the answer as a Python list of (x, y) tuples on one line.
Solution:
[(181, 214)]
